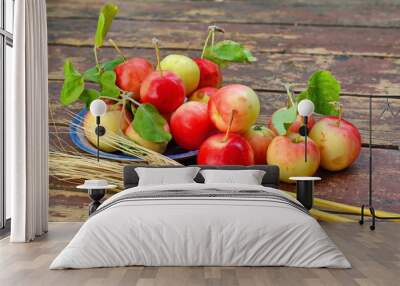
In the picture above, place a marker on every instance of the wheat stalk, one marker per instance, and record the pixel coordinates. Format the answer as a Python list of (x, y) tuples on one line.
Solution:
[(72, 166)]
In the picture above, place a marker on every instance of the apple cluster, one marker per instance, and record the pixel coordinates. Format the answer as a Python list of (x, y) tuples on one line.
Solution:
[(333, 144), (220, 122)]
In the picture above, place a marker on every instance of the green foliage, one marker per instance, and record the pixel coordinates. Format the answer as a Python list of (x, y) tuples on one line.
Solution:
[(283, 118), (107, 14), (93, 74), (225, 52), (149, 124), (73, 84), (324, 91), (88, 95), (107, 84), (102, 74)]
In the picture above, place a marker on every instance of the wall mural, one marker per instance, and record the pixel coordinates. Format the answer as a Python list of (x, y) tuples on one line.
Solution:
[(168, 106)]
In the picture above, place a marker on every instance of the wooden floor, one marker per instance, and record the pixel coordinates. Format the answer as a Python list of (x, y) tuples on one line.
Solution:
[(375, 257)]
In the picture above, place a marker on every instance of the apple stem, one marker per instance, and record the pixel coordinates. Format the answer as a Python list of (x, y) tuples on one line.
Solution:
[(340, 107), (134, 101), (257, 127), (211, 34), (117, 49), (96, 58), (127, 96), (111, 98), (122, 115), (230, 125), (289, 95), (156, 43), (206, 42)]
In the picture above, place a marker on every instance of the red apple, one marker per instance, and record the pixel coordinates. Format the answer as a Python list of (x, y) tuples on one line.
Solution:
[(234, 97), (295, 126), (220, 149), (190, 125), (167, 116), (210, 73), (164, 90), (259, 138), (203, 94), (339, 142), (287, 152), (131, 73)]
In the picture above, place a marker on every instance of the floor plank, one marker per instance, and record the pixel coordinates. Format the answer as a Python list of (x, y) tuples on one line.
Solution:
[(375, 257)]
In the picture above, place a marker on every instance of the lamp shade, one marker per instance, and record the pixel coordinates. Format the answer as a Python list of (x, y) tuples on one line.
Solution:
[(305, 107), (98, 107)]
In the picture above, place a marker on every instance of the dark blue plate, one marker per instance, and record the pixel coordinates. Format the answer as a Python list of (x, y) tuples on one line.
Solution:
[(78, 138)]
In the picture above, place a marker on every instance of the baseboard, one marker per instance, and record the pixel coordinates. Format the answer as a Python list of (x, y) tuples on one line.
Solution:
[(5, 231)]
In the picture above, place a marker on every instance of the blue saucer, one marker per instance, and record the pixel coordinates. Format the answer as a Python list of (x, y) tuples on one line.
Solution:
[(78, 138)]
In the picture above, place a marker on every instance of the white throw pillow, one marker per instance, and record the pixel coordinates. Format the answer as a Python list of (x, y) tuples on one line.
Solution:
[(248, 177), (166, 176)]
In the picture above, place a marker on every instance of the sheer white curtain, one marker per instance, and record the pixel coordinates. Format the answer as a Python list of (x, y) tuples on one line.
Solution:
[(27, 124)]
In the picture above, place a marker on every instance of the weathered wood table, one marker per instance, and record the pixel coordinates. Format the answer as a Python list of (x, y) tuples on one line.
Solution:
[(357, 40)]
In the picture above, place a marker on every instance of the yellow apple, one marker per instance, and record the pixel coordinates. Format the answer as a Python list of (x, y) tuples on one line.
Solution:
[(287, 152), (339, 142), (111, 121), (259, 138), (203, 94), (234, 97), (185, 68)]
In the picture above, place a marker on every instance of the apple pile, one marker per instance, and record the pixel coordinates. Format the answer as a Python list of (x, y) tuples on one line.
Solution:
[(333, 143), (183, 101), (198, 113)]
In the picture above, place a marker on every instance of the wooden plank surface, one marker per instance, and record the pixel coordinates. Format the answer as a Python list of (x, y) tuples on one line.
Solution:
[(319, 13), (359, 41), (357, 75), (373, 42), (374, 258)]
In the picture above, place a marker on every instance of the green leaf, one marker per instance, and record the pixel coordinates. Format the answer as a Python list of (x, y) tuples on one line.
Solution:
[(283, 118), (107, 84), (93, 73), (149, 124), (73, 84), (225, 52), (324, 91), (107, 14), (249, 56), (88, 95), (110, 65), (214, 58)]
